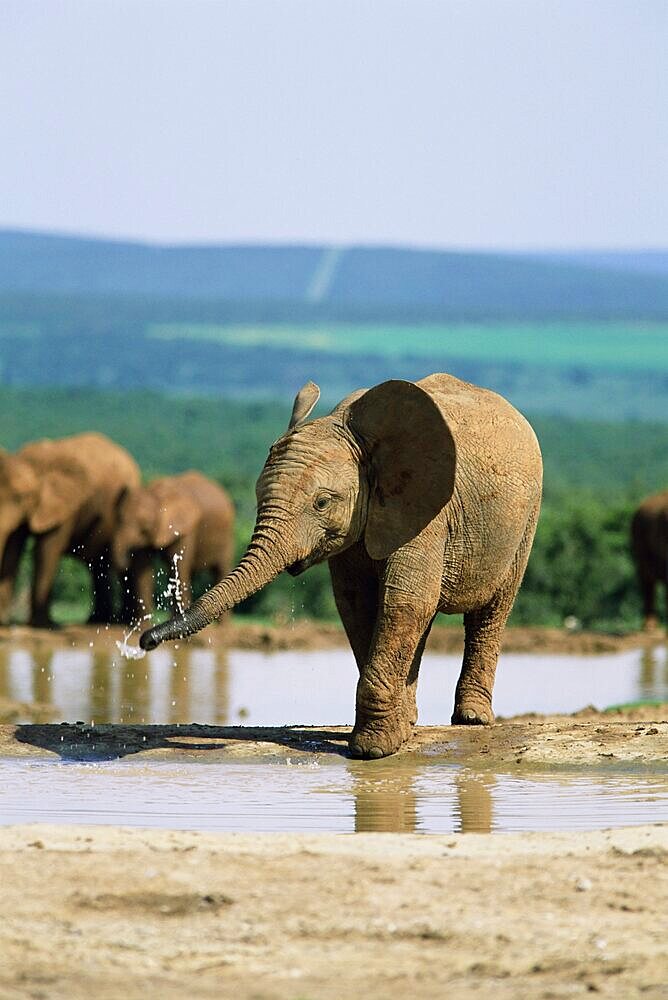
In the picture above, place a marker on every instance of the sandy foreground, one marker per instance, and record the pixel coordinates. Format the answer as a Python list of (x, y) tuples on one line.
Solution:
[(111, 913), (122, 913)]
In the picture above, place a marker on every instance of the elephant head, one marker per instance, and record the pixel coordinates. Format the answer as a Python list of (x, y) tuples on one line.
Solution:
[(63, 485), (19, 494), (153, 517), (379, 467)]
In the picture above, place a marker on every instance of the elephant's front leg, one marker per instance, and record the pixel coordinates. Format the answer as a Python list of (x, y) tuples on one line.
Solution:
[(8, 572), (49, 547), (385, 705), (100, 567)]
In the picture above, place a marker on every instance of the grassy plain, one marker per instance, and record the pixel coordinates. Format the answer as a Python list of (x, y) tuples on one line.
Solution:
[(610, 345)]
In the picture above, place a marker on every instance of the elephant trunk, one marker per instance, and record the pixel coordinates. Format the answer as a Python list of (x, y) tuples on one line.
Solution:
[(261, 563)]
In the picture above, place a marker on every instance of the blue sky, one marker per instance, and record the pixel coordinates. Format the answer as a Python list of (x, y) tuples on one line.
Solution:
[(448, 123)]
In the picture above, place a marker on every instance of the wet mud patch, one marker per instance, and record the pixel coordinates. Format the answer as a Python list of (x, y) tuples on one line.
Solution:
[(164, 904)]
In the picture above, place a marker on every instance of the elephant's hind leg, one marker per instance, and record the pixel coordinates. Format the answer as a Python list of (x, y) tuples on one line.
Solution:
[(483, 631), (473, 697)]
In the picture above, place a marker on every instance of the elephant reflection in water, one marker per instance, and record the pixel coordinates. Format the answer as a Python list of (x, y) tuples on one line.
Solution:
[(190, 686), (386, 801), (653, 679)]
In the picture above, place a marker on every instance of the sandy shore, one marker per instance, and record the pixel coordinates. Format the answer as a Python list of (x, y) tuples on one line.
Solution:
[(111, 913)]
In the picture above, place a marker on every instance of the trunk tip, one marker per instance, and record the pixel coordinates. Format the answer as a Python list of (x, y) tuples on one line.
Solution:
[(149, 639)]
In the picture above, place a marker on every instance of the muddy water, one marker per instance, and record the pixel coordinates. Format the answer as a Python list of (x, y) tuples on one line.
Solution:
[(231, 687), (412, 793), (399, 795)]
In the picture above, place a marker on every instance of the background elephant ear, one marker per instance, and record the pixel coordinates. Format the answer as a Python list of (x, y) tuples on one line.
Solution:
[(305, 400), (412, 456), (177, 518), (18, 475), (62, 491)]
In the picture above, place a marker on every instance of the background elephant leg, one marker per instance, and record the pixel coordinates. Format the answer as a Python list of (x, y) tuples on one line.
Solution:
[(48, 550), (100, 567), (648, 593), (8, 570), (141, 586)]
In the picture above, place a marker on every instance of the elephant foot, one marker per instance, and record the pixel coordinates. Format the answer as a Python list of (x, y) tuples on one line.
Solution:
[(651, 625), (374, 738), (472, 712), (42, 621)]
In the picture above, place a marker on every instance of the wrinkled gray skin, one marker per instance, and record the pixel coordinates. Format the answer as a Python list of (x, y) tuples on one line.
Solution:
[(649, 546), (423, 497), (187, 518)]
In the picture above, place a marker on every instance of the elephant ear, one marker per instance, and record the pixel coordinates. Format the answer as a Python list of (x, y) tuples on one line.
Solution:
[(177, 518), (62, 491), (412, 456), (305, 400), (19, 476)]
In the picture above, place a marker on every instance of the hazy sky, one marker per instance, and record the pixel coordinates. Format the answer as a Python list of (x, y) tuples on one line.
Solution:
[(485, 123)]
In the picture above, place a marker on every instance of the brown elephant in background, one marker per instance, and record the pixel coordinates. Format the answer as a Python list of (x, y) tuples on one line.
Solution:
[(649, 546), (189, 520), (423, 497), (65, 493)]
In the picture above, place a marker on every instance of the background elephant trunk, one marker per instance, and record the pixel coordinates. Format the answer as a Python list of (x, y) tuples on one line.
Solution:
[(263, 561)]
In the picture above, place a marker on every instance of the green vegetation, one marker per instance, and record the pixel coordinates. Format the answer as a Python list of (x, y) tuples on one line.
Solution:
[(617, 346), (594, 475)]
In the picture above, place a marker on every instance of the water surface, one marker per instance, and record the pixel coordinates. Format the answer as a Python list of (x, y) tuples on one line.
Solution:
[(298, 688), (397, 795)]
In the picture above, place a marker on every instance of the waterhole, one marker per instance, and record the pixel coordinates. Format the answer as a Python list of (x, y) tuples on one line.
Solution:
[(423, 793), (294, 688), (338, 796)]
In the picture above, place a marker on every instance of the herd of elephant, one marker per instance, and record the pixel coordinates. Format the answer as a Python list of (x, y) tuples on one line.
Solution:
[(423, 498), (83, 495)]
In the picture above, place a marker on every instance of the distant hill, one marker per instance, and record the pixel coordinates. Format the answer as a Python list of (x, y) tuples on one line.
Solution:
[(362, 283), (640, 261)]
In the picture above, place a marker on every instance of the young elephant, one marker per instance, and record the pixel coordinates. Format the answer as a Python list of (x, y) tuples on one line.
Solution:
[(424, 497), (649, 545), (188, 519)]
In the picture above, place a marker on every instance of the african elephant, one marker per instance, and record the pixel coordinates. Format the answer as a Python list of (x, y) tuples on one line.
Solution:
[(65, 493), (649, 546), (188, 519), (423, 496)]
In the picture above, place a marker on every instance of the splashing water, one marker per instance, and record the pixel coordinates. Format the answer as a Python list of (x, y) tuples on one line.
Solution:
[(128, 651), (173, 589)]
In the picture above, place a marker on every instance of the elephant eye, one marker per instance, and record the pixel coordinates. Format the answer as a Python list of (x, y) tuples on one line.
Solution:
[(322, 502)]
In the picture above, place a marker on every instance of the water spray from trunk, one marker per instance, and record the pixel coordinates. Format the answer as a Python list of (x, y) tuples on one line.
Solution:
[(259, 566)]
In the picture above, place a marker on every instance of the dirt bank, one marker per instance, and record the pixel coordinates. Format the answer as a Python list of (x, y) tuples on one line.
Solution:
[(109, 913), (308, 635), (636, 736)]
